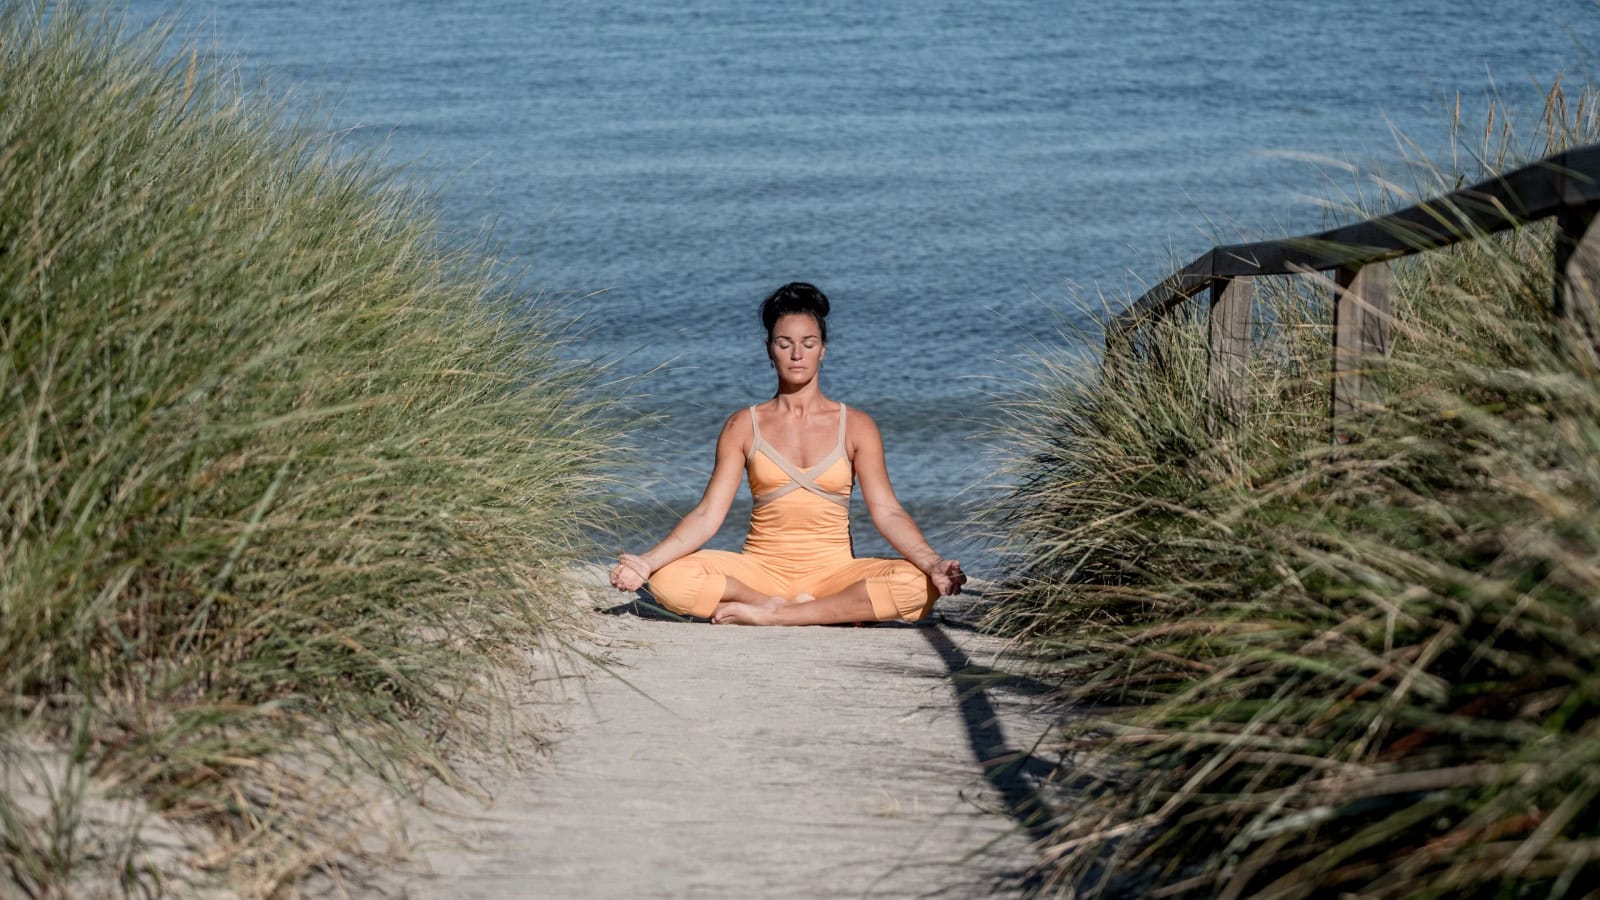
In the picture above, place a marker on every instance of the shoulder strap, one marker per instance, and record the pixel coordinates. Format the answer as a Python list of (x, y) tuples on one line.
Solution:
[(755, 434)]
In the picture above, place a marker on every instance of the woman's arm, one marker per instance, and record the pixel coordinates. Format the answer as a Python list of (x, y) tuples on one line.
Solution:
[(890, 518), (700, 523)]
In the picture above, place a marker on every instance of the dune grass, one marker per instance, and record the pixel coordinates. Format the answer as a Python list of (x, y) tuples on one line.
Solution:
[(285, 471), (1299, 670)]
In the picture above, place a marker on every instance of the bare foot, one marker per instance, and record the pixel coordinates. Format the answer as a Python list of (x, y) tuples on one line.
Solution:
[(802, 598), (731, 612)]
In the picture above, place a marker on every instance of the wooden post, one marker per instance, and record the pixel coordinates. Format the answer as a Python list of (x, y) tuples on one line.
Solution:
[(1577, 282), (1360, 341), (1227, 371)]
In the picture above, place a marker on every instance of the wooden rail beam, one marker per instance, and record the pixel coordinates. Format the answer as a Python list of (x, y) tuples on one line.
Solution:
[(1509, 200), (1361, 317), (1174, 289), (1565, 186), (1227, 369)]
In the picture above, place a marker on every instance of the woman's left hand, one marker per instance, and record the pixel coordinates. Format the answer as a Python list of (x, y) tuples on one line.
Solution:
[(947, 576)]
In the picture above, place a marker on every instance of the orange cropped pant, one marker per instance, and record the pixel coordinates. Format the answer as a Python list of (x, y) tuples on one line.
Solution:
[(695, 584)]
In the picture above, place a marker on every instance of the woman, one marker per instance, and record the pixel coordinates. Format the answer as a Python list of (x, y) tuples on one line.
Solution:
[(802, 452)]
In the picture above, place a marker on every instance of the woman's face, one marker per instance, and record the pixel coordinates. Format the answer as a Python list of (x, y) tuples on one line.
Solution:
[(796, 348)]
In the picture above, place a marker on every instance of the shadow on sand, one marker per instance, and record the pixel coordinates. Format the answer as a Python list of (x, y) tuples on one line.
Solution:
[(1015, 774)]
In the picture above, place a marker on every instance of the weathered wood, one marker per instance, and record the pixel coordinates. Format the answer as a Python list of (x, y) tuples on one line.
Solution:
[(1361, 319), (1227, 369), (1577, 275), (1159, 300), (1533, 192)]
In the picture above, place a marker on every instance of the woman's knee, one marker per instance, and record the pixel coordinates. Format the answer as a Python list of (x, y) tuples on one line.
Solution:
[(904, 592), (687, 586)]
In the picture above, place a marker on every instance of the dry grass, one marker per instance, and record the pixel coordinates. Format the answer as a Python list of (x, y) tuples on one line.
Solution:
[(282, 467), (1369, 671)]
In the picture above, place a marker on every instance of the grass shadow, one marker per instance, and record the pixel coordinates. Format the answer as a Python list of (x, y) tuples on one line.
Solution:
[(1015, 774)]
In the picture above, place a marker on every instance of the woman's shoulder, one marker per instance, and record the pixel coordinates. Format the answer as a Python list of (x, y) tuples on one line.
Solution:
[(856, 414), (859, 424), (739, 421), (738, 432)]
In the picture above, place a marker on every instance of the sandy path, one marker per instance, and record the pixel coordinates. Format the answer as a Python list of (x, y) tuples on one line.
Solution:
[(747, 762)]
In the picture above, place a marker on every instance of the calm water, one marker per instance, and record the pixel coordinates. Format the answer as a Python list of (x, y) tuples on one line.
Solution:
[(949, 173)]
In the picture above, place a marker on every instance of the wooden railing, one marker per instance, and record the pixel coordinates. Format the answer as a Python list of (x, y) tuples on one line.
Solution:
[(1566, 186)]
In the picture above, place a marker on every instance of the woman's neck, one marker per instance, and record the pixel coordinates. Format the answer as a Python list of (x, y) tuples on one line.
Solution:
[(801, 400)]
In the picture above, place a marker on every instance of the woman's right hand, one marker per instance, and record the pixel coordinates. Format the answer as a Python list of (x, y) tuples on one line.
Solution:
[(630, 573)]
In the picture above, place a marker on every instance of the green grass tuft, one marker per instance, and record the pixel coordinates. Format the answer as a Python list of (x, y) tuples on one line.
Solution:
[(281, 466), (1307, 671)]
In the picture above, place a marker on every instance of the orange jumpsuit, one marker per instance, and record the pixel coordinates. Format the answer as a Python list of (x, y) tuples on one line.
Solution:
[(799, 543)]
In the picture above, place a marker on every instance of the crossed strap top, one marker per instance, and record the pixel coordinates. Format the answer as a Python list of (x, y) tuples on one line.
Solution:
[(799, 478)]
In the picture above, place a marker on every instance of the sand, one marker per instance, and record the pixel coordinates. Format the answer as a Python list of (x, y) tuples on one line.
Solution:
[(720, 761)]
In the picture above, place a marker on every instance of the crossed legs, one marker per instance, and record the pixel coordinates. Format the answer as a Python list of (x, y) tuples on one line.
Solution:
[(736, 588), (853, 604)]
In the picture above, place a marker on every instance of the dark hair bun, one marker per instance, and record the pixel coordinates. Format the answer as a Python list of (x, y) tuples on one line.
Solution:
[(795, 297)]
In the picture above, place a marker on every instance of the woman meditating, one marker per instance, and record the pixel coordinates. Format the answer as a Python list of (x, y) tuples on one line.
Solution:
[(802, 453)]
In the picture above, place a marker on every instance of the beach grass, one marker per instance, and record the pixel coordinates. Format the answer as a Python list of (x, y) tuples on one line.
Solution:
[(286, 471), (1295, 668)]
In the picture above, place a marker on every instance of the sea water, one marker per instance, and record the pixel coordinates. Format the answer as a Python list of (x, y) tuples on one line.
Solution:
[(962, 179)]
